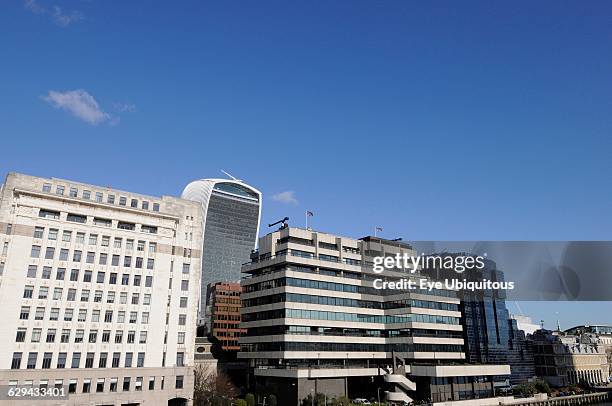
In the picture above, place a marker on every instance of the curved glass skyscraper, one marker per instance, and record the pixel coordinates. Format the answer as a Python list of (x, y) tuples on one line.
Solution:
[(231, 214)]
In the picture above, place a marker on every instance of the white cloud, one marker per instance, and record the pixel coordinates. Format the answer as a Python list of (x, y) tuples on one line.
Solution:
[(285, 197), (124, 107), (34, 7), (61, 18), (65, 19), (80, 104)]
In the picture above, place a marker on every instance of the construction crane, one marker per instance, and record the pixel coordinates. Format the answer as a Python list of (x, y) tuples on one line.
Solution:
[(282, 222)]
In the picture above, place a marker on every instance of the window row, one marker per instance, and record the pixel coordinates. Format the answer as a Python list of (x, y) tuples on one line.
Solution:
[(93, 239), (99, 197), (81, 315), (76, 360), (100, 384), (88, 276), (90, 257), (64, 336)]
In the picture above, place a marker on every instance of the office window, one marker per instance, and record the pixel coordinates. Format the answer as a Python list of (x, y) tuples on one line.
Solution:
[(91, 257), (108, 316), (152, 247), (145, 205), (71, 295), (85, 295), (181, 337), (110, 297), (123, 297), (127, 261), (138, 384), (35, 252), (183, 302), (54, 315), (27, 291), (179, 382), (57, 293), (186, 268), (148, 281), (63, 254), (36, 333), (60, 274), (76, 256), (93, 336), (98, 197), (128, 359), (155, 206), (150, 263), (135, 298), (46, 187), (32, 271), (38, 232), (106, 336), (113, 278), (182, 319), (65, 337), (52, 235), (144, 318), (105, 241), (68, 314), (122, 200), (79, 335), (118, 337), (87, 276), (121, 315), (98, 296), (125, 279), (49, 252), (32, 360), (110, 199), (16, 362), (43, 292), (25, 313), (72, 384), (48, 214), (139, 262), (126, 384), (86, 194), (76, 218), (115, 260), (136, 280), (133, 317), (129, 245), (102, 360), (93, 239), (40, 313), (100, 385), (82, 315), (117, 242), (51, 335), (131, 336), (59, 190), (184, 285), (86, 386), (143, 337), (116, 359), (61, 360), (46, 362), (21, 334), (89, 360), (152, 383), (74, 192), (100, 277), (134, 203), (80, 238), (146, 299)]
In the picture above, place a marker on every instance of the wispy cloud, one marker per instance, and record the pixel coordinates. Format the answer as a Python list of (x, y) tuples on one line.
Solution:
[(80, 104), (60, 17), (124, 107), (285, 197), (64, 19)]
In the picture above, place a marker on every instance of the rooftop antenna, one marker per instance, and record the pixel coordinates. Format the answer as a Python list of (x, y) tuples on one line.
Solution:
[(230, 176)]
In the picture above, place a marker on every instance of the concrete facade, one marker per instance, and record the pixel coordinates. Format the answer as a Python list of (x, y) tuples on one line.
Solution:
[(98, 289)]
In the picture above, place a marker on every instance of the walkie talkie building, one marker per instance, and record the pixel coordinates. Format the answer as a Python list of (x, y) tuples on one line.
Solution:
[(231, 212)]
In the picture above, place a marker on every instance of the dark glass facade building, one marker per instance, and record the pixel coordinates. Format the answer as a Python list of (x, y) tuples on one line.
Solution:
[(231, 212)]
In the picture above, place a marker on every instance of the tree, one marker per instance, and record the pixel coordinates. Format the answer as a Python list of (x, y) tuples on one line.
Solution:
[(212, 389), (341, 401), (241, 402), (250, 399)]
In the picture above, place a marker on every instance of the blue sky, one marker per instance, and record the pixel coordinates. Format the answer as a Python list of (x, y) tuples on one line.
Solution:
[(445, 120)]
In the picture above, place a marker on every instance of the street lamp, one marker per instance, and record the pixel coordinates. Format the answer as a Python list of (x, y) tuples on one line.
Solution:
[(378, 393)]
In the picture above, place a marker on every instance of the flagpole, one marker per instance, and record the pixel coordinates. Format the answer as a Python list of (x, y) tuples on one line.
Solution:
[(306, 219)]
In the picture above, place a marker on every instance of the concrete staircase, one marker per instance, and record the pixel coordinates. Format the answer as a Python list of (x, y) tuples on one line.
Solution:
[(401, 383)]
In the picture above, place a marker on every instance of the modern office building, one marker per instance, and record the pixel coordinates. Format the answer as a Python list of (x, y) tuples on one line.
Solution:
[(98, 289), (224, 298), (525, 323), (563, 359), (316, 323), (520, 355), (231, 211)]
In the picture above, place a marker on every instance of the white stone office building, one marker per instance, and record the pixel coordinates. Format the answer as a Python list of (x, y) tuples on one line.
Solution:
[(316, 324), (98, 291)]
